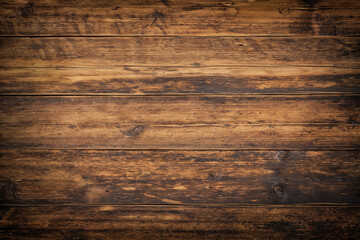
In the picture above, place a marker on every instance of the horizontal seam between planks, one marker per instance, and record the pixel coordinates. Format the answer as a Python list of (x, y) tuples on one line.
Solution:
[(184, 149), (254, 94), (189, 66), (176, 36), (195, 95), (210, 124), (186, 205), (165, 150)]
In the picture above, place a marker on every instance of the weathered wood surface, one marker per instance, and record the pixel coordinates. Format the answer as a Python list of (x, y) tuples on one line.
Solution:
[(176, 17), (177, 80), (179, 177), (181, 122), (179, 222), (265, 94), (107, 52)]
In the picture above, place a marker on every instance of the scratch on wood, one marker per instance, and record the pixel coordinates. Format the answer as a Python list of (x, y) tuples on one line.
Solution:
[(165, 200), (8, 214)]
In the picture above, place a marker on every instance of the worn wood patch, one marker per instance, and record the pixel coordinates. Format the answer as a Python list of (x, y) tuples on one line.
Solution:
[(176, 17), (179, 177), (177, 80), (179, 222), (108, 52), (181, 122)]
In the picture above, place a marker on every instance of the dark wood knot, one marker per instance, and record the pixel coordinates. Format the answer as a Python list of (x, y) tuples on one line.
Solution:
[(216, 176), (27, 10), (282, 155), (166, 3), (135, 131), (227, 4), (278, 190), (9, 192)]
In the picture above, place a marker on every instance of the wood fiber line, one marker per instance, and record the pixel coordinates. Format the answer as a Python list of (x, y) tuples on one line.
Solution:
[(178, 177), (177, 17), (176, 80), (108, 52), (179, 222), (181, 122)]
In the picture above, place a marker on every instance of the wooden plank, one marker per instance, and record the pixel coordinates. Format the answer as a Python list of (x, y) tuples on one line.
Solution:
[(177, 17), (181, 122), (178, 177), (177, 80), (107, 52), (179, 222)]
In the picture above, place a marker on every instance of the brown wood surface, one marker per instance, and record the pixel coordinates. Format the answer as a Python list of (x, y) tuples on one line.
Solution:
[(177, 80), (174, 119), (179, 222), (180, 122), (179, 17), (107, 52), (179, 177)]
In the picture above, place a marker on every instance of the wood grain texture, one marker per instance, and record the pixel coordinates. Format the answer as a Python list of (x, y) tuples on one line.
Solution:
[(108, 52), (179, 177), (181, 122), (173, 119), (179, 222), (177, 80), (177, 17)]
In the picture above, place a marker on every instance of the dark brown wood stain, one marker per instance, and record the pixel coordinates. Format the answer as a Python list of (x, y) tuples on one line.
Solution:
[(170, 119)]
